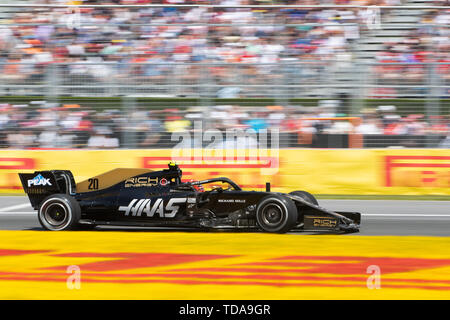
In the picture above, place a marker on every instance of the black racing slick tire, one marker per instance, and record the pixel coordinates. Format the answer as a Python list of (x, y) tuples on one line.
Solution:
[(276, 214), (59, 212), (308, 197)]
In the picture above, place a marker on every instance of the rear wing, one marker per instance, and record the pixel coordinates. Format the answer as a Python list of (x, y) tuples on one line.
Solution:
[(40, 184)]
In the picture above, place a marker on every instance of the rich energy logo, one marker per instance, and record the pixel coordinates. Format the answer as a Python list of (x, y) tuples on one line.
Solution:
[(321, 222), (145, 207), (141, 182), (145, 182), (39, 180)]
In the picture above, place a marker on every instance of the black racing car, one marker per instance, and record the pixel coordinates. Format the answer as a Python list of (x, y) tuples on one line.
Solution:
[(140, 197)]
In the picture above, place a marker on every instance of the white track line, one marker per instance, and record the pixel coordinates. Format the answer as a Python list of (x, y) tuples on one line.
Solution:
[(18, 206), (20, 213)]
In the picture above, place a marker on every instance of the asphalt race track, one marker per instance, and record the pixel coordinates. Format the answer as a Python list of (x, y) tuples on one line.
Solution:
[(379, 217), (406, 240)]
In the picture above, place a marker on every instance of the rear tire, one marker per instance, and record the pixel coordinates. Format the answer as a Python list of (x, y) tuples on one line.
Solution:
[(59, 212), (277, 214), (308, 197)]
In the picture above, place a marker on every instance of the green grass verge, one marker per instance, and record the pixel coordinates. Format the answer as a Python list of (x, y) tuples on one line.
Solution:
[(403, 105)]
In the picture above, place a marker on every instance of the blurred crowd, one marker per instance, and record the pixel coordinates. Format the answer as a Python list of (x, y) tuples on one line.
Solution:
[(401, 62), (112, 34), (128, 46), (122, 44), (50, 125)]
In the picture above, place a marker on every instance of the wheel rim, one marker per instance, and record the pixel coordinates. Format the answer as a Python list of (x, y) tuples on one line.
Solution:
[(272, 215), (56, 214)]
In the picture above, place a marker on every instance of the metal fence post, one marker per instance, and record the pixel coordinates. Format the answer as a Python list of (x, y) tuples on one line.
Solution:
[(52, 83), (128, 108), (359, 91), (432, 105)]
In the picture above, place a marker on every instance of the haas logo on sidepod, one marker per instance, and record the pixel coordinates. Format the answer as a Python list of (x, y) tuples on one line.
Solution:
[(137, 208)]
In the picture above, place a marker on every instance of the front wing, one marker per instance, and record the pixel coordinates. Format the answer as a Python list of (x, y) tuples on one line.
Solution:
[(319, 218)]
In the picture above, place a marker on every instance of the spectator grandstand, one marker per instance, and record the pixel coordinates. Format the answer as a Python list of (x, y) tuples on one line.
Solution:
[(206, 53)]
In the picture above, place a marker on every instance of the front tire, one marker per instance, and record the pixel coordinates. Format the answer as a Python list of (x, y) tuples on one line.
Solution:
[(308, 197), (59, 212), (276, 214)]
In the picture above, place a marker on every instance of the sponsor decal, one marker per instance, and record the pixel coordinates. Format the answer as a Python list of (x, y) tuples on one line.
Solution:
[(417, 171), (231, 201), (320, 222), (36, 191), (163, 182), (141, 182), (387, 171), (147, 208), (39, 180)]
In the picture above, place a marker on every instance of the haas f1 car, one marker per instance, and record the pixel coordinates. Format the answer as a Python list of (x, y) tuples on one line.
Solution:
[(144, 198)]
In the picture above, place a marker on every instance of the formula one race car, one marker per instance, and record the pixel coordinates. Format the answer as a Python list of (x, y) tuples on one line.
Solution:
[(144, 198)]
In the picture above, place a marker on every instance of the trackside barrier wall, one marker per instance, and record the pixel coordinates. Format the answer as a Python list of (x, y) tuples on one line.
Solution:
[(330, 171)]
